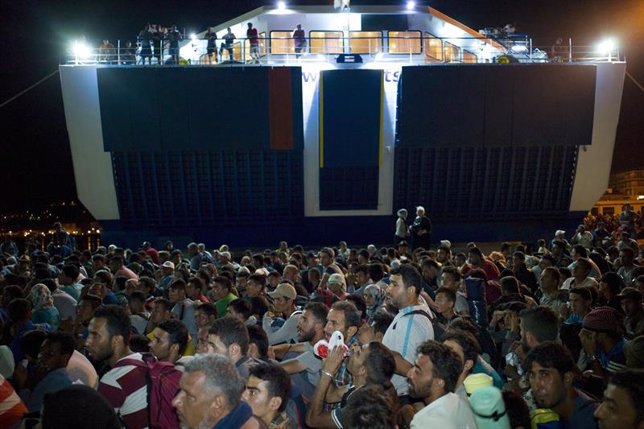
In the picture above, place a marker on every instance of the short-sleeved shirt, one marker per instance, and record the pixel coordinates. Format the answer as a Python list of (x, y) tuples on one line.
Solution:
[(251, 35), (404, 335), (124, 387)]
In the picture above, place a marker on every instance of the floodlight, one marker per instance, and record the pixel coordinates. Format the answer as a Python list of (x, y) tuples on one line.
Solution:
[(411, 5), (281, 5), (607, 46), (193, 37), (81, 50)]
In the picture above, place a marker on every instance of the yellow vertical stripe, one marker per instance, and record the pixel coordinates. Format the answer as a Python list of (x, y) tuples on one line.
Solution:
[(321, 118), (382, 118)]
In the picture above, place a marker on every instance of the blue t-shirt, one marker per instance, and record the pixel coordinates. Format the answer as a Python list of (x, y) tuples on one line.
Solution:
[(583, 415)]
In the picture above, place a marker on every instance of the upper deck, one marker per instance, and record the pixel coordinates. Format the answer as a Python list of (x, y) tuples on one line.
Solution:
[(365, 34)]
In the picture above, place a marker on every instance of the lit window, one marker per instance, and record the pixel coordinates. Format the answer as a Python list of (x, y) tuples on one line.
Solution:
[(433, 48), (366, 42), (282, 42), (404, 42), (326, 42)]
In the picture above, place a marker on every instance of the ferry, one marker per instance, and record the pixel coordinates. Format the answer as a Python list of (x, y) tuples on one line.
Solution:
[(386, 107)]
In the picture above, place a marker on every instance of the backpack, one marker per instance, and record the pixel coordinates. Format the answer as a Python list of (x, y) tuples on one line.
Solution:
[(162, 380), (439, 330)]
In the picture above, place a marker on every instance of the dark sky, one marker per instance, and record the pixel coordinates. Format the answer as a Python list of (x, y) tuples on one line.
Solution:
[(35, 161)]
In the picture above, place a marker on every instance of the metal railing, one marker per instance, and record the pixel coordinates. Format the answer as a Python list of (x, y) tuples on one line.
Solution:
[(283, 50)]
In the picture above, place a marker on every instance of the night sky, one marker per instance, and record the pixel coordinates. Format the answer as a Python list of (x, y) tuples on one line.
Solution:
[(35, 161)]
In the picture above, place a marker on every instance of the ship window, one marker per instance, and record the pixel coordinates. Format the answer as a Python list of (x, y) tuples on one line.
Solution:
[(282, 42), (469, 57), (366, 42), (433, 47), (450, 52), (237, 51), (404, 42), (326, 42)]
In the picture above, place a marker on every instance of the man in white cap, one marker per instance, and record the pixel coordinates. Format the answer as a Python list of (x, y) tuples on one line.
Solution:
[(167, 269), (284, 297)]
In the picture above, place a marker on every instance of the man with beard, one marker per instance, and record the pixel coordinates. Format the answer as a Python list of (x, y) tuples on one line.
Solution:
[(372, 365), (433, 380), (411, 326), (551, 373), (124, 386), (536, 325), (305, 368)]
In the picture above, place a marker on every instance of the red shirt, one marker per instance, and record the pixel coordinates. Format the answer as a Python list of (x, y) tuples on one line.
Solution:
[(251, 34)]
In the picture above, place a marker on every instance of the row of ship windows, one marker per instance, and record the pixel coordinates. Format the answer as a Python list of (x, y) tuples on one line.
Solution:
[(360, 42)]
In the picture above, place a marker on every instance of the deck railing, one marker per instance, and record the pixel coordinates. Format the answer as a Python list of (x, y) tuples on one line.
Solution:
[(417, 49)]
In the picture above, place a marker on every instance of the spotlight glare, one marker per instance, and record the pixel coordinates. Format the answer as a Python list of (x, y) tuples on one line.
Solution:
[(281, 5), (411, 5), (607, 46), (81, 50), (193, 37)]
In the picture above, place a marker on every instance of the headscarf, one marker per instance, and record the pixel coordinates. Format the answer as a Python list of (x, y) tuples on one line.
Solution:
[(40, 297), (378, 295)]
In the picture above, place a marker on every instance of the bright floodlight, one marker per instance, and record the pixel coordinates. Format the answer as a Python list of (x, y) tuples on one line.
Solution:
[(81, 50), (411, 5), (193, 37), (281, 5), (607, 46)]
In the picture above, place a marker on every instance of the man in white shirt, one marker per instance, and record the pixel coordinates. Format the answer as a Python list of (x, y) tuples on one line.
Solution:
[(433, 379), (580, 277), (411, 326)]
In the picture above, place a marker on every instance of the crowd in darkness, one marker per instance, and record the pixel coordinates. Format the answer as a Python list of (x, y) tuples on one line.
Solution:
[(421, 334)]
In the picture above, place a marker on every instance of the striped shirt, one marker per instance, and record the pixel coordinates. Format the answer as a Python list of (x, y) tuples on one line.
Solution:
[(125, 387), (11, 407)]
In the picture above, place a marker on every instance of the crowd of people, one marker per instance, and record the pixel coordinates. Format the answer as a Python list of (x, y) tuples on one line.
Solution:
[(156, 44), (403, 336)]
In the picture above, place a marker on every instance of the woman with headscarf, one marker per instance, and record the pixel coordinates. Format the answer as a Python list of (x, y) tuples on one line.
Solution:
[(401, 227), (373, 297), (43, 310)]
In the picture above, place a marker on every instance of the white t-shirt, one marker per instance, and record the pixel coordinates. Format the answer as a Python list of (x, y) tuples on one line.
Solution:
[(570, 283), (404, 335), (447, 412)]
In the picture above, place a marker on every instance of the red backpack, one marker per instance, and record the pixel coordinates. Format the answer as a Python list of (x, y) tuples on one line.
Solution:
[(162, 379)]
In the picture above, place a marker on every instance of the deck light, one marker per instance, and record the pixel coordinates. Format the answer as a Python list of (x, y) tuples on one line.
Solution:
[(607, 46), (281, 5), (81, 50), (411, 5)]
